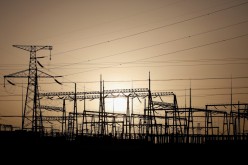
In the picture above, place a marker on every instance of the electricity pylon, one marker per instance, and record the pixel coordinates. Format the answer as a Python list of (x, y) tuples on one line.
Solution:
[(32, 115)]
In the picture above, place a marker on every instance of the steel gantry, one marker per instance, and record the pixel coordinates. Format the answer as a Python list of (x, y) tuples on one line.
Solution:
[(102, 123), (162, 120), (32, 101)]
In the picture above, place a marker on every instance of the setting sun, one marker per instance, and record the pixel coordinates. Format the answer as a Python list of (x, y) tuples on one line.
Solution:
[(118, 105)]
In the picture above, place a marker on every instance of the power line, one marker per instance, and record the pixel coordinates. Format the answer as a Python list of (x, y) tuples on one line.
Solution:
[(198, 60), (9, 95), (180, 65), (221, 28), (174, 89), (219, 94), (149, 30), (200, 79), (194, 47), (202, 89), (10, 100), (174, 40), (205, 95), (144, 80), (171, 61), (121, 19), (165, 54)]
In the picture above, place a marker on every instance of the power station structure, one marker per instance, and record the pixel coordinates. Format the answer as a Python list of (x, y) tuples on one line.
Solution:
[(160, 120), (32, 114)]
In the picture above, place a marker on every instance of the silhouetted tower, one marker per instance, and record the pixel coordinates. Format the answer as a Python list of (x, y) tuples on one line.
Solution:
[(32, 102), (128, 120), (151, 129), (190, 117), (75, 114), (102, 115), (64, 118)]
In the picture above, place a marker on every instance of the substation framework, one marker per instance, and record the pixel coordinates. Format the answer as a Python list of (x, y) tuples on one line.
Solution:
[(161, 120)]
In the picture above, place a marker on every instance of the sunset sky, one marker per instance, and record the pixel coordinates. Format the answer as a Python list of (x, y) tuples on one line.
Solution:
[(180, 42)]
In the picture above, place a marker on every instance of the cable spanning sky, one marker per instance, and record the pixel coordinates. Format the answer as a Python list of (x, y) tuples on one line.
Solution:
[(182, 43)]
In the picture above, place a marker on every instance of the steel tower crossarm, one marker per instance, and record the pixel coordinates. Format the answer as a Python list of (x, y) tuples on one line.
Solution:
[(33, 48), (25, 74)]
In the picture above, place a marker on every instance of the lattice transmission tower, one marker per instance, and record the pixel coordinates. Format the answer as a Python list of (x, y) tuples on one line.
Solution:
[(32, 115)]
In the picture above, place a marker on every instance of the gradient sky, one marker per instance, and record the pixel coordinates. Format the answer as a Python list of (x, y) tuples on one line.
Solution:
[(176, 40)]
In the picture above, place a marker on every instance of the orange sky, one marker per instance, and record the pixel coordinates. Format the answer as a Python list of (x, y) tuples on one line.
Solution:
[(123, 41)]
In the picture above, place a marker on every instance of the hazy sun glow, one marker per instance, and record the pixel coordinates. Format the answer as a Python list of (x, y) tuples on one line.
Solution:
[(119, 105)]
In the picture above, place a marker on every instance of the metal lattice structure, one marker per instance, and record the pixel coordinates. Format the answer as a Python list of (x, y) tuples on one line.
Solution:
[(32, 101), (160, 120)]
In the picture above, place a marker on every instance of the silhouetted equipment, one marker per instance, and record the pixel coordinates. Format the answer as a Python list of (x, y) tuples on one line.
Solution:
[(58, 82), (10, 82), (40, 64), (32, 102), (6, 127), (160, 121)]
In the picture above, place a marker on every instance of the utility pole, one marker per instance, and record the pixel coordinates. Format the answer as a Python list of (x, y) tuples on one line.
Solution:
[(32, 101), (101, 128), (152, 124)]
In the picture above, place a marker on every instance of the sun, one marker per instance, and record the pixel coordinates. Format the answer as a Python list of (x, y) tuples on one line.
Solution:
[(119, 105)]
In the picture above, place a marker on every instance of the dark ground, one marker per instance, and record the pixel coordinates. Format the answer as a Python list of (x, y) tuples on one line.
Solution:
[(19, 145)]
